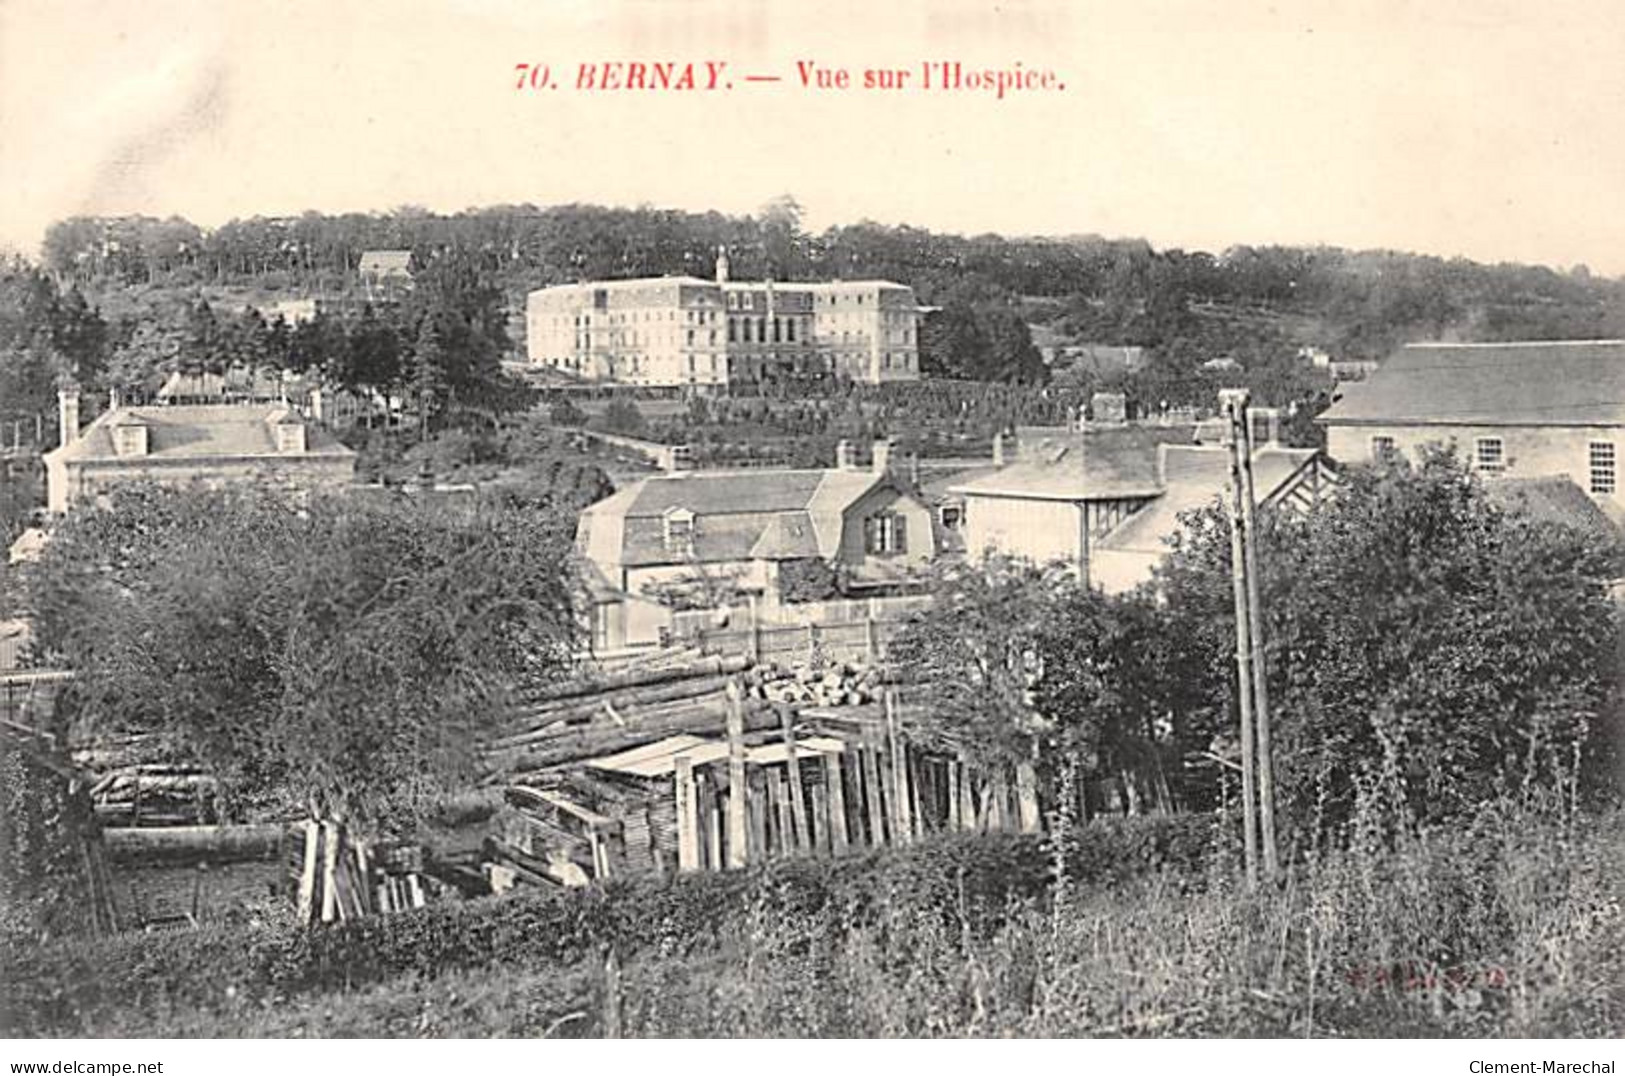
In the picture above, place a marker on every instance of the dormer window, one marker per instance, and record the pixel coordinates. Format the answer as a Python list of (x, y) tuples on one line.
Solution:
[(679, 532), (130, 440)]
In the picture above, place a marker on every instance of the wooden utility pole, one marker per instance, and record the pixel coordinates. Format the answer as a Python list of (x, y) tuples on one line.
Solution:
[(1260, 667), (1233, 402)]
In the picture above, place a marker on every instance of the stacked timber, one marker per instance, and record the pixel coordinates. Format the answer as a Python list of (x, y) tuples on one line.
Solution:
[(839, 684), (154, 794), (583, 719), (341, 877)]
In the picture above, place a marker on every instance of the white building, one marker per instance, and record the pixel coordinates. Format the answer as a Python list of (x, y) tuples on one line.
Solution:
[(687, 332)]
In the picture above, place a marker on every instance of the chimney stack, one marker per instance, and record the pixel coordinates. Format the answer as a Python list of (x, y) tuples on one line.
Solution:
[(722, 265), (883, 455), (112, 399), (68, 413), (998, 450), (843, 455)]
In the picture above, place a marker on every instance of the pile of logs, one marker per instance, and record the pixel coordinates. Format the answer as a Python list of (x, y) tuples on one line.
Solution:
[(154, 794), (586, 718), (840, 684)]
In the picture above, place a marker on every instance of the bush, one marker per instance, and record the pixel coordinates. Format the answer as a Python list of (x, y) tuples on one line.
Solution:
[(623, 416), (565, 412), (968, 881)]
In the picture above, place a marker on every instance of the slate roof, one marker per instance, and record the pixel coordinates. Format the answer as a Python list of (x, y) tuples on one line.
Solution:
[(738, 515), (1196, 476), (204, 431), (1092, 465), (1553, 383)]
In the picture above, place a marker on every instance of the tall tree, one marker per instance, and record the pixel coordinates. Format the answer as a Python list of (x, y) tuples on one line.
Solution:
[(1418, 635), (348, 654), (973, 659), (429, 377)]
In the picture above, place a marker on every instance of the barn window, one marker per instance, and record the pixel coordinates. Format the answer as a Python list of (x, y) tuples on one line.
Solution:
[(1383, 448), (1604, 476), (1489, 454)]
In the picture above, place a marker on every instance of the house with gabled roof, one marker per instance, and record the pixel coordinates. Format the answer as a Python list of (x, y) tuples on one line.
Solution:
[(1545, 409), (386, 266), (1109, 502), (743, 526), (178, 444), (1191, 478)]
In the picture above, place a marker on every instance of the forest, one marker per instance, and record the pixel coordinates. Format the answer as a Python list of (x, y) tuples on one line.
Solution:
[(1355, 304)]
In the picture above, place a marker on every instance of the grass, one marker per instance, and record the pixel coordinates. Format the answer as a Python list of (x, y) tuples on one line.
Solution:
[(1508, 924)]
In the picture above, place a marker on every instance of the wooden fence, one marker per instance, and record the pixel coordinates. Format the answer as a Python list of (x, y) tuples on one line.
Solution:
[(786, 644), (817, 782)]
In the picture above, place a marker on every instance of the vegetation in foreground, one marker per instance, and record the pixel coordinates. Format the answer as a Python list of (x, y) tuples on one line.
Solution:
[(1510, 924)]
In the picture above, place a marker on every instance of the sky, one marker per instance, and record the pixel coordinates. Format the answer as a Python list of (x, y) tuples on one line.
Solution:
[(1493, 130)]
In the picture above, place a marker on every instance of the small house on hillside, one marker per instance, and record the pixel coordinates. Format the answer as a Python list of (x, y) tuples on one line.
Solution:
[(178, 444), (1520, 410), (700, 538), (236, 384), (385, 269)]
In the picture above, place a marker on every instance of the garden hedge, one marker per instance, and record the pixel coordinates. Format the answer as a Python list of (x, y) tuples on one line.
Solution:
[(67, 985)]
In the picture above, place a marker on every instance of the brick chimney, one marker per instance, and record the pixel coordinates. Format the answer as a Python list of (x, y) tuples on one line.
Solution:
[(882, 462), (68, 413), (843, 455), (999, 450)]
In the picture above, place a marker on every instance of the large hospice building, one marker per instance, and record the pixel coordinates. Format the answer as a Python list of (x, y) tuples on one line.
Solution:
[(684, 331)]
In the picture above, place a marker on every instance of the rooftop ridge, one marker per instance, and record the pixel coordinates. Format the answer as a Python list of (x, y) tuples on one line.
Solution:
[(1515, 343)]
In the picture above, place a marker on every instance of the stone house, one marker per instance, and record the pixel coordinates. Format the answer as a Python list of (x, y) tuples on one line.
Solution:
[(180, 444), (1518, 410)]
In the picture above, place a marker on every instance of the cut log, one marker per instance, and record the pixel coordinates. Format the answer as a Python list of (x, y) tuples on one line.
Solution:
[(215, 844), (641, 677)]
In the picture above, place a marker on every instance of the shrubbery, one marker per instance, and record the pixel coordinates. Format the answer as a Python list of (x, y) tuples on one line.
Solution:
[(1506, 923), (966, 881)]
